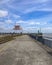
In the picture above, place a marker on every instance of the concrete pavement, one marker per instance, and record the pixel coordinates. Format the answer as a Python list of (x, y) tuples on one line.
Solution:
[(23, 51)]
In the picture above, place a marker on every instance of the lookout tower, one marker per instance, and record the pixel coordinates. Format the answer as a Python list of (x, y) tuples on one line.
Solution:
[(17, 27)]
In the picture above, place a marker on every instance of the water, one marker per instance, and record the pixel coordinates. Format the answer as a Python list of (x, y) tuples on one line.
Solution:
[(47, 35)]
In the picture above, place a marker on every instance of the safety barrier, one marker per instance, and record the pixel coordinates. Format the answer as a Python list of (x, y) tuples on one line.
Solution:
[(45, 41)]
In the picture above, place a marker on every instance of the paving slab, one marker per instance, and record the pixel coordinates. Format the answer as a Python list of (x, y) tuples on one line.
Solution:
[(24, 51)]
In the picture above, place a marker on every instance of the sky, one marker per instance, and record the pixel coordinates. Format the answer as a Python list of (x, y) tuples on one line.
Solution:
[(31, 15)]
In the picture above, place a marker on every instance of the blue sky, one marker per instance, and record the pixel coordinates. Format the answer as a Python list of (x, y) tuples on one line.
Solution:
[(31, 15)]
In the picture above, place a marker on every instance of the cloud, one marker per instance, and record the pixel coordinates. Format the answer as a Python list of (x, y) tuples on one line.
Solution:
[(37, 22), (25, 7), (3, 13), (16, 16), (2, 25), (34, 23), (6, 24), (4, 1), (47, 29), (28, 10), (28, 6), (8, 21), (21, 22), (35, 29), (31, 28), (28, 22), (43, 21)]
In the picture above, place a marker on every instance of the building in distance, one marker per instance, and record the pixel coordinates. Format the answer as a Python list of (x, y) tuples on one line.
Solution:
[(17, 27)]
